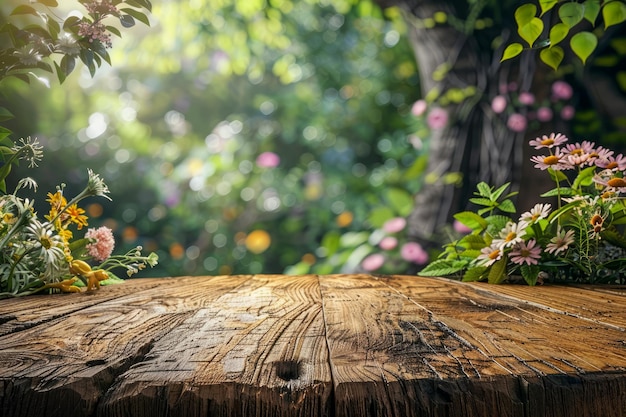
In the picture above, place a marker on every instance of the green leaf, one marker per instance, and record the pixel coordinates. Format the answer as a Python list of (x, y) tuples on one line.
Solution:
[(498, 192), (137, 15), (497, 273), (24, 9), (525, 14), (558, 32), (472, 241), (114, 31), (592, 9), (483, 202), (584, 177), (547, 5), (531, 31), (571, 13), (613, 13), (530, 273), (512, 51), (70, 21), (330, 242), (484, 190), (476, 273), (353, 239), (400, 200), (443, 267), (583, 44), (471, 220), (563, 191), (507, 206), (5, 114), (127, 21), (552, 56), (380, 215)]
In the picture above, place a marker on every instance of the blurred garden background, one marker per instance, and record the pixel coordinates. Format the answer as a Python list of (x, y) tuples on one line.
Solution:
[(309, 136)]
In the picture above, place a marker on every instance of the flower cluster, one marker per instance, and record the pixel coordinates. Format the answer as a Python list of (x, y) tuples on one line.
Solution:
[(391, 248), (521, 107), (43, 254), (578, 236)]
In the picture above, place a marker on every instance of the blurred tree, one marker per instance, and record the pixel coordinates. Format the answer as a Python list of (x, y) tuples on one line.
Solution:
[(458, 46)]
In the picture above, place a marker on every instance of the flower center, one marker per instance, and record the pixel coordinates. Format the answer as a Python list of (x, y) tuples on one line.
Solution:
[(577, 152), (547, 142), (510, 236), (551, 160), (495, 254), (616, 182), (611, 165)]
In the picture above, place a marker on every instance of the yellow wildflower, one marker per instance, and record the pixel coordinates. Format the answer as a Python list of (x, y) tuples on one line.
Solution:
[(77, 216)]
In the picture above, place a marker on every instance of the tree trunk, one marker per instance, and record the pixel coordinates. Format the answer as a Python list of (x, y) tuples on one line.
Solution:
[(476, 144)]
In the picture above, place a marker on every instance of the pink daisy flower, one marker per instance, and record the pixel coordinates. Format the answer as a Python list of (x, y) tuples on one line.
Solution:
[(103, 243), (526, 252), (560, 242), (617, 163), (555, 139), (526, 98), (556, 162)]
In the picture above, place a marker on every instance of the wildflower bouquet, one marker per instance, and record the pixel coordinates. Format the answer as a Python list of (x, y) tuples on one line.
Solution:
[(580, 240), (38, 255)]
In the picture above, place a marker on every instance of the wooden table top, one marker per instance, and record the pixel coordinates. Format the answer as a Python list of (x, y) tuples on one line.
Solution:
[(334, 345)]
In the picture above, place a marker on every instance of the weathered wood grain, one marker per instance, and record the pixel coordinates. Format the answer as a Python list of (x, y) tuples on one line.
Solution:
[(336, 345), (256, 350)]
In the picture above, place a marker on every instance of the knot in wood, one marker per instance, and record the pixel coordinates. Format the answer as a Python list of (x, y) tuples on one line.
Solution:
[(288, 370)]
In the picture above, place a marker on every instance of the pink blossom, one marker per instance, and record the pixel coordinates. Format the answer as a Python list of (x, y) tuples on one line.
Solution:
[(103, 243), (526, 252), (268, 160), (517, 122), (555, 139), (437, 118), (562, 90), (388, 243), (397, 224), (373, 262), (419, 107), (544, 114), (498, 104), (513, 86), (527, 98), (413, 252), (568, 112), (460, 227)]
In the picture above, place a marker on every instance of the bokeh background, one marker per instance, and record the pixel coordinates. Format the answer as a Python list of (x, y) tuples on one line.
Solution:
[(278, 137)]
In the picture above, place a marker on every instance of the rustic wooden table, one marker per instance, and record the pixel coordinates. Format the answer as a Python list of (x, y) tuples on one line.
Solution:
[(337, 345)]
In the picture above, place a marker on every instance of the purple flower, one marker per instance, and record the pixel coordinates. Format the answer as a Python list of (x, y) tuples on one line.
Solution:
[(103, 243), (562, 90), (413, 252), (388, 243), (517, 122), (437, 118), (268, 160), (526, 252), (460, 227), (526, 98), (395, 225), (498, 104), (544, 114), (568, 112), (419, 107), (373, 262)]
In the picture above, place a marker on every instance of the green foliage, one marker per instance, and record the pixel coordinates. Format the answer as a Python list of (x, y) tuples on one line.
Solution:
[(572, 16), (583, 239)]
